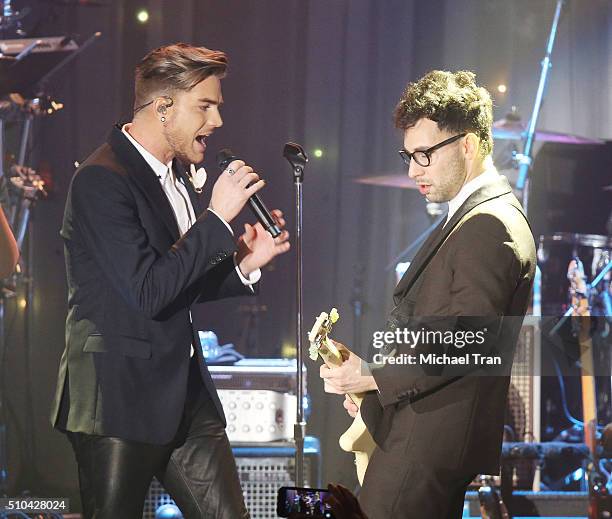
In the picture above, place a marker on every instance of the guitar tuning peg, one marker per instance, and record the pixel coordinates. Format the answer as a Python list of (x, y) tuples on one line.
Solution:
[(313, 352), (333, 315)]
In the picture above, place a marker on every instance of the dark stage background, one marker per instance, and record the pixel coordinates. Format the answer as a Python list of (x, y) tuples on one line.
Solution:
[(327, 74)]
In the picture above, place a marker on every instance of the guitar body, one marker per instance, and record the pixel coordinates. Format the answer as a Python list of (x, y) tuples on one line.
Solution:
[(356, 439)]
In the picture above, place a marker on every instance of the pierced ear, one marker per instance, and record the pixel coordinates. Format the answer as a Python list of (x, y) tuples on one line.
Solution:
[(162, 103)]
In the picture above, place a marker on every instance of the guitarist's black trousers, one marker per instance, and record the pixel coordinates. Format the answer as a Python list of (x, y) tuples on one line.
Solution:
[(416, 491)]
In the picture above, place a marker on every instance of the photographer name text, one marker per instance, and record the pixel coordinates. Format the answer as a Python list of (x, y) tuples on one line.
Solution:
[(432, 359)]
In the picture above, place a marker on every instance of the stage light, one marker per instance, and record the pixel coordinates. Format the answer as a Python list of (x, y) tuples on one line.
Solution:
[(142, 16), (23, 303), (318, 153), (502, 89)]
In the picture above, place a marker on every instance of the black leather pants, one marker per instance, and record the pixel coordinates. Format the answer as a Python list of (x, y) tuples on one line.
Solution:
[(197, 469)]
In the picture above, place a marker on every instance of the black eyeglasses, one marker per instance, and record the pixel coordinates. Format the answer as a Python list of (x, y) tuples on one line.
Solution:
[(423, 157)]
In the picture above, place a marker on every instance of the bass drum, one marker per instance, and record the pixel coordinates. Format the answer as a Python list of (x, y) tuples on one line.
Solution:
[(555, 251)]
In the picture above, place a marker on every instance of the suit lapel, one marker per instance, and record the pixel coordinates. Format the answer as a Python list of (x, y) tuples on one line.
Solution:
[(440, 233), (145, 177)]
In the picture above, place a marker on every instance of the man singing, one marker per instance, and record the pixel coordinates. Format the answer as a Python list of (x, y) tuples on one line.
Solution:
[(134, 394), (436, 427)]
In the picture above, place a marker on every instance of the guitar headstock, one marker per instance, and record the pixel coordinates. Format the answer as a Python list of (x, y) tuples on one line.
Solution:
[(576, 276), (578, 287), (320, 331)]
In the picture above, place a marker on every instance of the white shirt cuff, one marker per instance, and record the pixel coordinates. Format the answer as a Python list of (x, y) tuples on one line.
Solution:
[(253, 278), (226, 224)]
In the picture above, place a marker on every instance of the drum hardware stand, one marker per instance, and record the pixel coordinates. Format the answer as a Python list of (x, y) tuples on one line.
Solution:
[(525, 159), (296, 156), (491, 504)]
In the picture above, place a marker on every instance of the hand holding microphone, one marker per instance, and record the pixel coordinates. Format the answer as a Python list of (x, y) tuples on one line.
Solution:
[(249, 180), (236, 185), (233, 188)]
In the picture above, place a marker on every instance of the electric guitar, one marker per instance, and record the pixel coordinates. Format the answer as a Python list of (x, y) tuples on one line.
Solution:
[(356, 438), (598, 495)]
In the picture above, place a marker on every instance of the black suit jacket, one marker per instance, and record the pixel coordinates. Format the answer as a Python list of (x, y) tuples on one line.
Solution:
[(131, 283), (472, 273)]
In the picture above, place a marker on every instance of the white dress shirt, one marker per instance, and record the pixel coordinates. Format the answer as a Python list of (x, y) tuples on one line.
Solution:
[(488, 177)]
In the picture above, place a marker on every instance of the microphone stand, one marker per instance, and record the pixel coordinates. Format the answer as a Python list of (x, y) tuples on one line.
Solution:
[(294, 153), (524, 159)]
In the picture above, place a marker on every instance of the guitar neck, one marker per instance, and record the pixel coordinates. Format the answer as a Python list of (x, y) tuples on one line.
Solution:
[(587, 377), (580, 305), (589, 399), (330, 354), (333, 359)]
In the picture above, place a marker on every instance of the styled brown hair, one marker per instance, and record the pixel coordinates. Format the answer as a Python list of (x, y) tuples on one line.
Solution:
[(175, 67), (451, 99)]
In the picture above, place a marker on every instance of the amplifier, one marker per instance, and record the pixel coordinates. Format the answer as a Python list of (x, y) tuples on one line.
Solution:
[(258, 374), (258, 416), (524, 395), (262, 471), (523, 406)]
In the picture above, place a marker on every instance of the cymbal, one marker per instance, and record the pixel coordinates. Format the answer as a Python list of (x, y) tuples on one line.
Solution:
[(513, 130), (401, 180)]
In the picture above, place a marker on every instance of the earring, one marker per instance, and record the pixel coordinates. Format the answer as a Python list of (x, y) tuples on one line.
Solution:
[(163, 119)]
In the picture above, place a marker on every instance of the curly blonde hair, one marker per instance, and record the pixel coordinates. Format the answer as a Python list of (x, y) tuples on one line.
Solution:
[(451, 99)]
